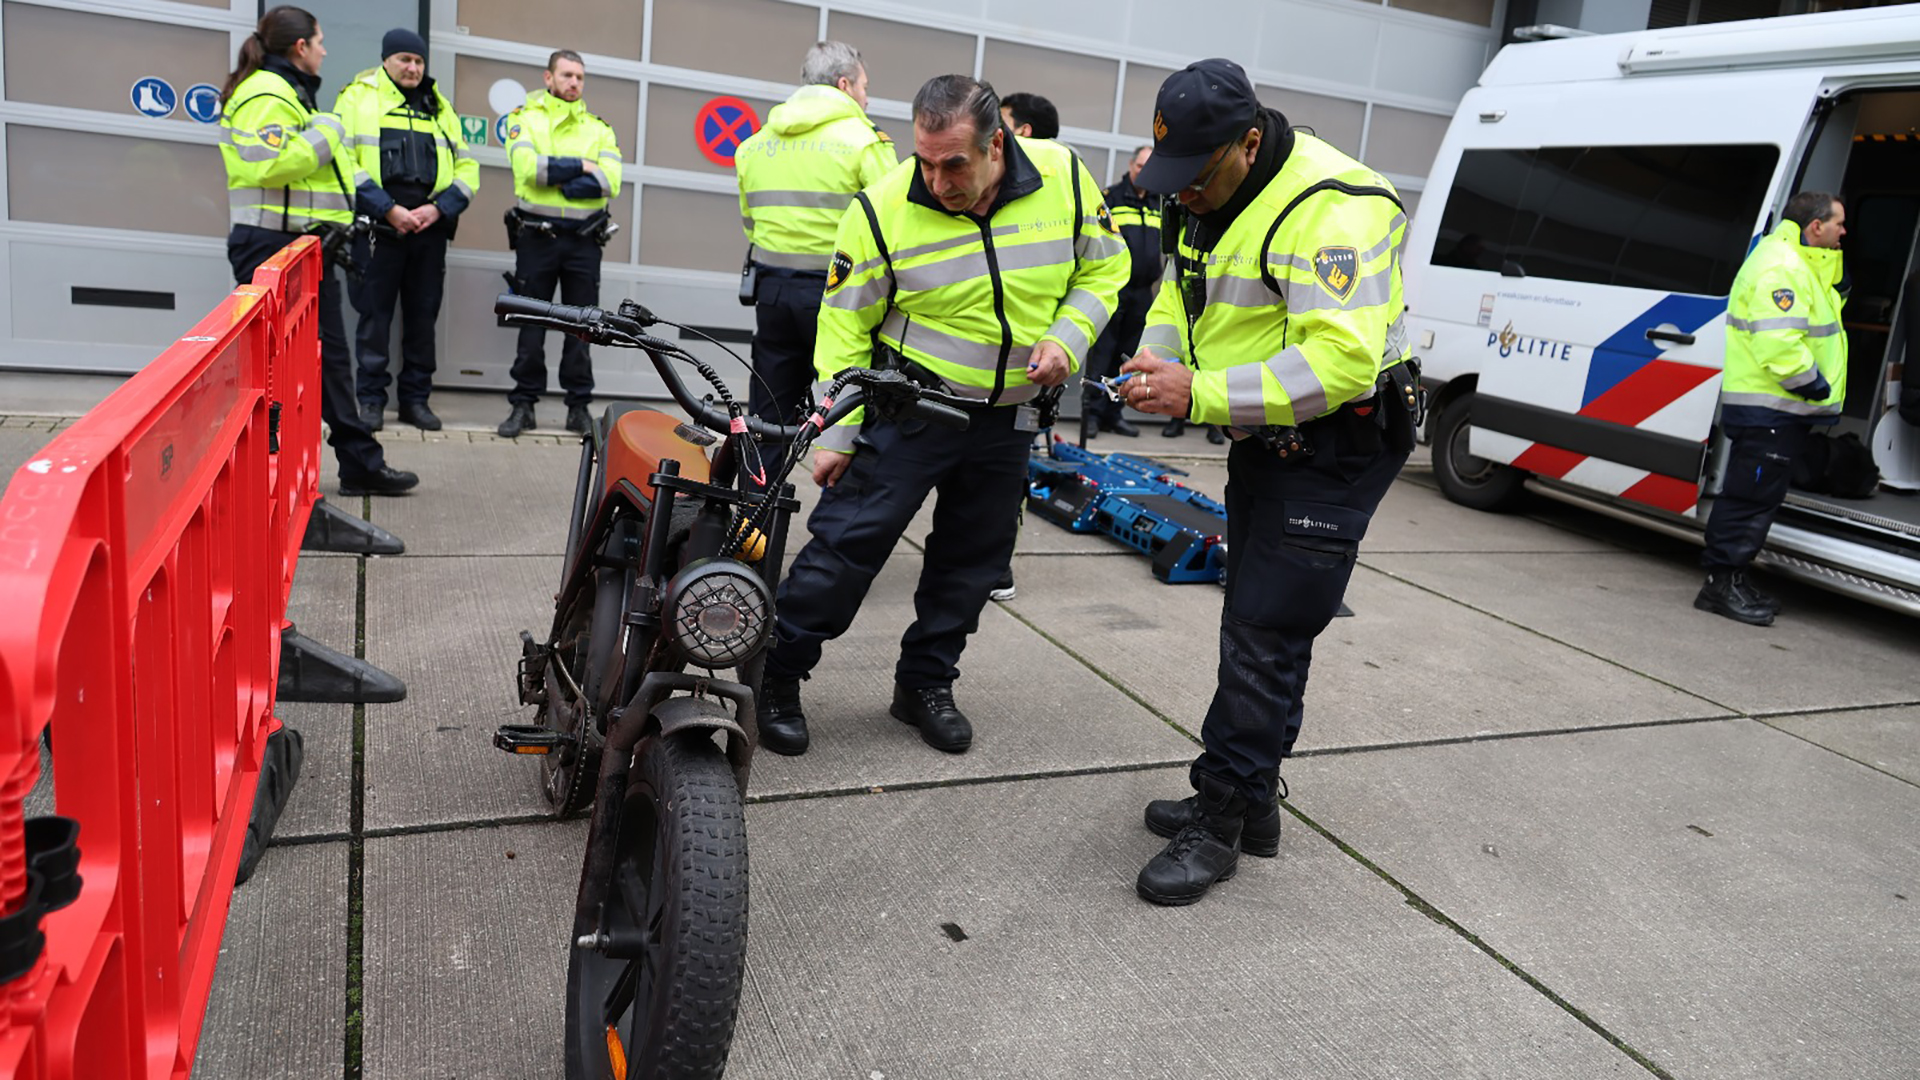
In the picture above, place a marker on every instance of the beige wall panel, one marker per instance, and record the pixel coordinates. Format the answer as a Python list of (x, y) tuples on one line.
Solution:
[(47, 48), (1081, 87), (1477, 12), (482, 227), (693, 230), (670, 135), (1336, 120), (759, 39), (605, 27), (900, 58), (1136, 102), (617, 101), (115, 182), (1404, 142)]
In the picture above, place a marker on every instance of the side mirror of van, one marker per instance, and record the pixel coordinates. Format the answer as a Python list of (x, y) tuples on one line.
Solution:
[(1509, 268)]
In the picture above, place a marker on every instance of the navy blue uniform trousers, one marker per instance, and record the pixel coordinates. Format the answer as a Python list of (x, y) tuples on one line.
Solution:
[(1759, 471), (1293, 535), (354, 447), (978, 477), (786, 317), (572, 262), (408, 273)]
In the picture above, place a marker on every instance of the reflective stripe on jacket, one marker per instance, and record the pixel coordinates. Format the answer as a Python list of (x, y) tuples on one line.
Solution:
[(798, 174), (1138, 219), (375, 113), (1786, 349), (547, 140), (281, 158), (968, 298), (1322, 341)]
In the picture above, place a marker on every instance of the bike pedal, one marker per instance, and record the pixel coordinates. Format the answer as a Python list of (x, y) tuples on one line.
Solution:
[(530, 739)]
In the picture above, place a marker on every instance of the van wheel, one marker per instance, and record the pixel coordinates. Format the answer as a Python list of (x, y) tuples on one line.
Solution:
[(1464, 478)]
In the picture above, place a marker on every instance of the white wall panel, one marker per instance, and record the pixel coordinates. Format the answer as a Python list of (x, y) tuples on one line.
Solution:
[(1433, 65), (1332, 44)]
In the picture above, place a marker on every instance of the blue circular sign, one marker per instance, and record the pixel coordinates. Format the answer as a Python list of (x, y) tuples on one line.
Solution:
[(500, 129), (153, 97), (202, 102)]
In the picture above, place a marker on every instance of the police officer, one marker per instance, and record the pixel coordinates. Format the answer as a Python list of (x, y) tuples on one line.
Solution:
[(1030, 116), (287, 174), (415, 175), (798, 174), (987, 265), (1786, 373), (566, 168), (1137, 214), (1283, 321)]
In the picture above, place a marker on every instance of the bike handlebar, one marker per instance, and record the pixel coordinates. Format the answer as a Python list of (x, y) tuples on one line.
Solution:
[(607, 328)]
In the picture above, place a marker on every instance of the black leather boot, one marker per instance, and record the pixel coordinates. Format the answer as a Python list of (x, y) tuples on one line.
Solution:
[(783, 726), (1175, 427), (1259, 831), (519, 419), (931, 709), (1744, 585), (1203, 853), (1719, 596)]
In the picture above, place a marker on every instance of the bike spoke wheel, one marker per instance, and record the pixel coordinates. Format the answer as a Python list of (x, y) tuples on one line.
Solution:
[(660, 996)]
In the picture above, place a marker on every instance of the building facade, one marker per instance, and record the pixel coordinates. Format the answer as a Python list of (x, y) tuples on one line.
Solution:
[(115, 210)]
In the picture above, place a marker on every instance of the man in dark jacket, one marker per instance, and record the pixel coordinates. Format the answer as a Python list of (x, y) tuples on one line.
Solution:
[(1137, 214)]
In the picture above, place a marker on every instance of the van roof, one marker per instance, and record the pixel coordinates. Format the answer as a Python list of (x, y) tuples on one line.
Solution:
[(1867, 35)]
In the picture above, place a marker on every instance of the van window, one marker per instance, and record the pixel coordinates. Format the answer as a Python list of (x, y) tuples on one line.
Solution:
[(1671, 218)]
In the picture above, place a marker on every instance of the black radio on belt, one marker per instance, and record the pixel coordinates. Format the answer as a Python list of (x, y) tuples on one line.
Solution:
[(1284, 440)]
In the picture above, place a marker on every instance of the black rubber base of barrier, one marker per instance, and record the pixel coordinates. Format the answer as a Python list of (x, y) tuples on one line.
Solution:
[(333, 529), (309, 671), (1345, 612), (279, 769)]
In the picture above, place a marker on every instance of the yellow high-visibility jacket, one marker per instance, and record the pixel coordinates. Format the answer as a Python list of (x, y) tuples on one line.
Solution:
[(382, 130), (798, 174), (547, 139), (1303, 302), (281, 154), (968, 298), (1786, 349)]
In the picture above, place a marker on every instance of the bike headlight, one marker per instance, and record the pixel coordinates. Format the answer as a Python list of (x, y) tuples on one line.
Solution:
[(718, 613)]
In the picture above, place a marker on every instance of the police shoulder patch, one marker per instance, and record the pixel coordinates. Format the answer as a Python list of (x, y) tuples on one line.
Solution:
[(839, 270), (274, 136), (1106, 220), (513, 130), (1337, 268), (1783, 299), (881, 136)]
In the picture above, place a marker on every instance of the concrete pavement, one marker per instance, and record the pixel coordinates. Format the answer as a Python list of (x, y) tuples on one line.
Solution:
[(1548, 821)]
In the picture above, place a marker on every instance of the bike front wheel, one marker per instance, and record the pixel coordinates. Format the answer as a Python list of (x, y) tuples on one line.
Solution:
[(657, 996)]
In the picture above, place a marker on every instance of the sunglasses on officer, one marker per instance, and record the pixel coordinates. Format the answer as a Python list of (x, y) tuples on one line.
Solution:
[(1207, 174)]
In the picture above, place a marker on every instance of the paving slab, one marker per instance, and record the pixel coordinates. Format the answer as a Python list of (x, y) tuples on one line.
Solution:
[(450, 627), (1033, 707), (1731, 901), (1637, 610), (324, 603), (854, 969), (465, 954), (1408, 667), (17, 447), (1884, 739), (279, 1001), (1311, 960), (322, 800), (483, 499)]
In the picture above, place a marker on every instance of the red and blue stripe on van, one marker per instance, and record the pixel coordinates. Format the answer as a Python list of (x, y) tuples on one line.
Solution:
[(1629, 381)]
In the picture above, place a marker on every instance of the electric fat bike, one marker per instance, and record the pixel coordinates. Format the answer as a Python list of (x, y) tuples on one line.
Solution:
[(674, 546)]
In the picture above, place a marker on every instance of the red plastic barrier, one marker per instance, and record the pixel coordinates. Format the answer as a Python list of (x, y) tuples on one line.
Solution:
[(145, 558)]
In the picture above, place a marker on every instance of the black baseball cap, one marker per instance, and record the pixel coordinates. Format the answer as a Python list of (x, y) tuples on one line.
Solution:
[(1200, 108)]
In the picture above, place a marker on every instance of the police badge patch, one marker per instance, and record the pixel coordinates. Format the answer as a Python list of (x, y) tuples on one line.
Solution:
[(1338, 269), (273, 136), (1783, 299), (1106, 220), (839, 270)]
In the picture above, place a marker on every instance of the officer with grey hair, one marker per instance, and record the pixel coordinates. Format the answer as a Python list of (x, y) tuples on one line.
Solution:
[(797, 178)]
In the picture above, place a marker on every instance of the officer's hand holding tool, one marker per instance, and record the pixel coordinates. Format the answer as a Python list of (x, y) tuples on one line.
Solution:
[(1111, 385), (1047, 365)]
